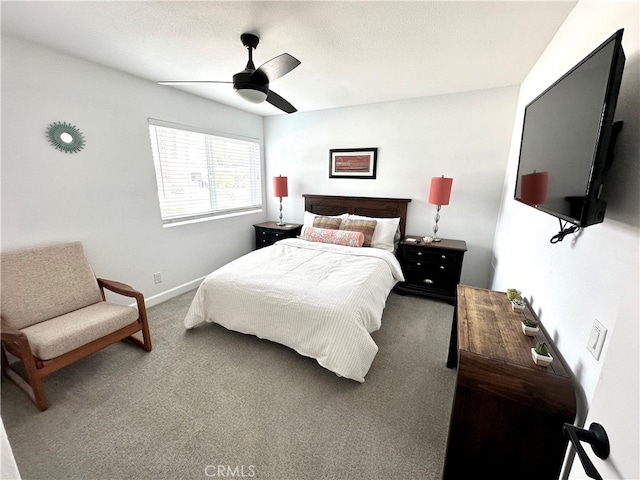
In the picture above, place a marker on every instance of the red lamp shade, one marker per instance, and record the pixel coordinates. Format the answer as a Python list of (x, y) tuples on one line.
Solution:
[(534, 188), (280, 187), (440, 190)]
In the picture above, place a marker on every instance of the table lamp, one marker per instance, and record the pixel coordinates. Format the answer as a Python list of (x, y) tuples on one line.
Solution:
[(439, 195)]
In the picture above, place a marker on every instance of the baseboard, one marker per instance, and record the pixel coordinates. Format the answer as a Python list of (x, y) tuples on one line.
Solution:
[(172, 292)]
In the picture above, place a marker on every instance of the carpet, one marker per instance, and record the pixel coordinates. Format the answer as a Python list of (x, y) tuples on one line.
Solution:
[(212, 403)]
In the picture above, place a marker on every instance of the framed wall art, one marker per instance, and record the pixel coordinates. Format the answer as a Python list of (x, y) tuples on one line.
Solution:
[(353, 163)]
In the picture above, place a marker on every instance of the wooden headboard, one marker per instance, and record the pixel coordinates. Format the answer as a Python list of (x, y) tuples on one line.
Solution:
[(366, 206)]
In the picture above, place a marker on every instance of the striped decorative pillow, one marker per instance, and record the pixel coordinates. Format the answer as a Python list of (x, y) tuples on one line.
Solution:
[(387, 233), (336, 237), (367, 227), (331, 223)]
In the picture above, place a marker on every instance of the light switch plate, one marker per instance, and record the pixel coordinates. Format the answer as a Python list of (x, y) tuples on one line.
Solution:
[(596, 339)]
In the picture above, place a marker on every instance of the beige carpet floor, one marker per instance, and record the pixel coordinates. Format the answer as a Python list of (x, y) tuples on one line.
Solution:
[(211, 403)]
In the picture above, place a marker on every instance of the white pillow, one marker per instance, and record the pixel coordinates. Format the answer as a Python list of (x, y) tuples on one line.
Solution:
[(308, 219), (385, 232)]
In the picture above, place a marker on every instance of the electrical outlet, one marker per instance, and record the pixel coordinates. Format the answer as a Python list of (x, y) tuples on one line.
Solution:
[(157, 277), (596, 339)]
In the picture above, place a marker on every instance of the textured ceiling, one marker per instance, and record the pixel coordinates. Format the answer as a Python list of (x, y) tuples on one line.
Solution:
[(352, 53)]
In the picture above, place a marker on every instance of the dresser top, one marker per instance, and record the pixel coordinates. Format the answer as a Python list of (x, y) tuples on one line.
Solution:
[(488, 326), (495, 356), (444, 243), (275, 226)]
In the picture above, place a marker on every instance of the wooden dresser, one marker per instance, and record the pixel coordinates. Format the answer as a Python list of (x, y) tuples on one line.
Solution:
[(507, 412)]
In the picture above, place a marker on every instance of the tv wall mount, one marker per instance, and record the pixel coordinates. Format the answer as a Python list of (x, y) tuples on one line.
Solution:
[(564, 229)]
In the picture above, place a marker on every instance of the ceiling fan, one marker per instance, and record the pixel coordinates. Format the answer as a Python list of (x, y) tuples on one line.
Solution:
[(253, 84)]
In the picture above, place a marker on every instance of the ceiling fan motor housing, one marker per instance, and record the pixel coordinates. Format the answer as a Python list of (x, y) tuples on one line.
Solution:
[(248, 88), (251, 84), (249, 40)]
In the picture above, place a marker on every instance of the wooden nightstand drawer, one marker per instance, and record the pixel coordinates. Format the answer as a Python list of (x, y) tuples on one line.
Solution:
[(431, 269), (431, 281), (268, 233), (269, 236), (424, 256)]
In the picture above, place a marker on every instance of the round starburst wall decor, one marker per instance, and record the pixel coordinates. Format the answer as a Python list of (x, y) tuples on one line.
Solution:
[(65, 137)]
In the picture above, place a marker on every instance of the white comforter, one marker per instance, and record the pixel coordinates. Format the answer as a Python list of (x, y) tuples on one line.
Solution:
[(321, 300)]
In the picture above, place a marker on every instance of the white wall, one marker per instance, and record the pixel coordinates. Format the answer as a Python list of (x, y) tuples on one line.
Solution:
[(587, 276), (465, 136), (105, 195)]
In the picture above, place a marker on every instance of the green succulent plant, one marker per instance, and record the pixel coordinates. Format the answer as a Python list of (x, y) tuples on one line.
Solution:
[(529, 322), (513, 294), (541, 349)]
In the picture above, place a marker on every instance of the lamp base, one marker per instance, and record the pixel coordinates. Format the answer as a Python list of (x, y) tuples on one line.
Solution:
[(435, 238), (280, 222)]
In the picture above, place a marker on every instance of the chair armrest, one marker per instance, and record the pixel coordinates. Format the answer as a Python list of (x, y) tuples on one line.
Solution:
[(119, 287), (127, 291), (11, 334), (16, 342)]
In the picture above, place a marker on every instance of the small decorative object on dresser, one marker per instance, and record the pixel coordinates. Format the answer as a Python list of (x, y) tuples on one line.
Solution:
[(513, 294), (529, 326), (540, 354), (517, 305), (268, 233), (431, 269)]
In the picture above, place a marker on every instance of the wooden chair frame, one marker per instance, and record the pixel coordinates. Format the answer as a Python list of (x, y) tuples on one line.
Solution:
[(15, 342)]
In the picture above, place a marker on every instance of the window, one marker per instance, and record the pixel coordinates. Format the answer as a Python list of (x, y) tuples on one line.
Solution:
[(201, 175)]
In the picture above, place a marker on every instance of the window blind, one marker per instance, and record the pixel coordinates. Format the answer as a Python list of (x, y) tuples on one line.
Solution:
[(201, 175)]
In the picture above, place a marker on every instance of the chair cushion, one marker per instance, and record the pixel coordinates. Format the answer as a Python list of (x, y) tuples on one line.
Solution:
[(67, 332), (46, 282)]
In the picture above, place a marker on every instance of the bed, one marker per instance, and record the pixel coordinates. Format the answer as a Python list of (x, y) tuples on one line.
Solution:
[(322, 298)]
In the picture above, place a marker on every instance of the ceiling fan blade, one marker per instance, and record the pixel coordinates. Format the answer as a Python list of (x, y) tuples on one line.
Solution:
[(277, 101), (190, 82), (278, 66)]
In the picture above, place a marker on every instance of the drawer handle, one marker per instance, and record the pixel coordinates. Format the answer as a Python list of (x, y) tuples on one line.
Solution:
[(428, 281), (443, 257), (418, 264), (441, 267), (264, 233), (419, 254)]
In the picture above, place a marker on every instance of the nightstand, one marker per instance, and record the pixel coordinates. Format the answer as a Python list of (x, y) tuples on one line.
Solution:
[(268, 233), (431, 269)]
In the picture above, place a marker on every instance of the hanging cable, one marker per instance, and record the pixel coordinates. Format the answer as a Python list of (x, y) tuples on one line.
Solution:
[(564, 231)]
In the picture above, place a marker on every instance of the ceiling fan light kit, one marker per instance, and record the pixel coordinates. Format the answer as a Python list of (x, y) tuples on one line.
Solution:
[(251, 95), (252, 84)]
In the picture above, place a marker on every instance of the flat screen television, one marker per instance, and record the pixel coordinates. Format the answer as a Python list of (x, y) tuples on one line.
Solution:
[(568, 136)]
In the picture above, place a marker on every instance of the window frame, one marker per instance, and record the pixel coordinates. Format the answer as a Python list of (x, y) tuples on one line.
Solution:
[(256, 190)]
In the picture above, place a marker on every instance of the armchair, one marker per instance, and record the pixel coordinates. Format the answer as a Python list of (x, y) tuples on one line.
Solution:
[(54, 312)]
